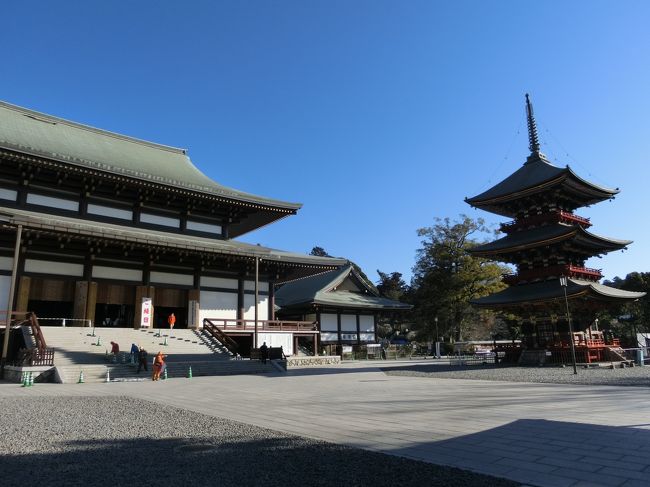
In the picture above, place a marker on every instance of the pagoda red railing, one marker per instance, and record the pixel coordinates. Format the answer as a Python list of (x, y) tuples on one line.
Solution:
[(554, 271), (559, 216)]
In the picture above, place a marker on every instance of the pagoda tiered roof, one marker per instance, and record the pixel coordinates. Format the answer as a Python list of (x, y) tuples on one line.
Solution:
[(551, 289), (548, 235), (534, 179)]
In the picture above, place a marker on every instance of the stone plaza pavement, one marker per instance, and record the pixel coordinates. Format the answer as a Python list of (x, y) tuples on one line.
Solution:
[(537, 434)]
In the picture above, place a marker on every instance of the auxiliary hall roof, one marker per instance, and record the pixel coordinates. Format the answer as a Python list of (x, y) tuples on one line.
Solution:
[(38, 134), (322, 289)]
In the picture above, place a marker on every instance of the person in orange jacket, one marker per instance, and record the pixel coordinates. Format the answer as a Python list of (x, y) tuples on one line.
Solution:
[(158, 364), (171, 320)]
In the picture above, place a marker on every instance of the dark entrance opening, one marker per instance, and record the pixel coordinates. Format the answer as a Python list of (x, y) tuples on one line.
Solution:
[(303, 345), (161, 315), (245, 344), (51, 309), (116, 315)]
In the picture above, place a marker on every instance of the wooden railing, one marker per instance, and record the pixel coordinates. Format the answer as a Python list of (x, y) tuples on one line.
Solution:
[(559, 216), (554, 271), (224, 339), (35, 356), (262, 325)]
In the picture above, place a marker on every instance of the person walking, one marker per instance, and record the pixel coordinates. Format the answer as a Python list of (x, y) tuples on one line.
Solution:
[(171, 321), (115, 350), (264, 352), (158, 364), (142, 360)]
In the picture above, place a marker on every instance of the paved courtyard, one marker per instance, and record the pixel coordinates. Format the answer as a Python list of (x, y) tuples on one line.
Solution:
[(537, 434)]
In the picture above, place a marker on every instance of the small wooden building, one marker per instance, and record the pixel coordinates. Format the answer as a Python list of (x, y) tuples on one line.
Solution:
[(341, 301)]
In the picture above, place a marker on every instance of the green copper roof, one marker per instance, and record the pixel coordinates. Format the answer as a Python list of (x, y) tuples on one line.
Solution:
[(549, 290), (86, 228), (38, 134), (322, 289)]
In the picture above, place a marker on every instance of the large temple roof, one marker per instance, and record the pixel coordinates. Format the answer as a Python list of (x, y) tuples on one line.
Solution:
[(538, 175), (151, 238), (547, 235), (548, 290), (38, 134), (322, 289)]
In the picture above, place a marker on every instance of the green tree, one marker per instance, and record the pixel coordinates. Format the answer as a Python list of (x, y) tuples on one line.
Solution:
[(391, 286), (631, 318), (447, 276)]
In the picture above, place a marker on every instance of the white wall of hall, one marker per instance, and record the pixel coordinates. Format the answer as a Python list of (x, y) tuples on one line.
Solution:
[(215, 304), (284, 340), (5, 284), (262, 307), (328, 322)]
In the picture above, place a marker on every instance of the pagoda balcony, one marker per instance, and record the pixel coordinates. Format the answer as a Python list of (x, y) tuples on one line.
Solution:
[(556, 271), (559, 216)]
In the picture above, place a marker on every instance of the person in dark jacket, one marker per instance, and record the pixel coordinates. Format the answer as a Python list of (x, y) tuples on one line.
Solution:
[(142, 359), (264, 352)]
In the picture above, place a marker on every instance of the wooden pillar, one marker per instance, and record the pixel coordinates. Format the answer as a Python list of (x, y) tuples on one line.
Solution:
[(194, 295), (271, 301), (358, 330), (85, 300), (338, 327), (22, 298), (143, 292), (240, 298)]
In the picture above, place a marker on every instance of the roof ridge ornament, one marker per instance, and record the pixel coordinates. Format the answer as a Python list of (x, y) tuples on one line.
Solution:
[(533, 139)]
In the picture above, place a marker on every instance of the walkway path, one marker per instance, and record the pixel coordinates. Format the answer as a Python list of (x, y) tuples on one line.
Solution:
[(539, 434)]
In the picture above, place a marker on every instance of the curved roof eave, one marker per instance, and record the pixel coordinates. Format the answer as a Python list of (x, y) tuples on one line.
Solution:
[(545, 235), (534, 174), (41, 135)]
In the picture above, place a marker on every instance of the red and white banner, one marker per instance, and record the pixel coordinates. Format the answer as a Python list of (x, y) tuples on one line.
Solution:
[(147, 313)]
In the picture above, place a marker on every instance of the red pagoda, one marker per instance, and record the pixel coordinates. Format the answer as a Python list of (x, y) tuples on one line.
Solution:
[(547, 241)]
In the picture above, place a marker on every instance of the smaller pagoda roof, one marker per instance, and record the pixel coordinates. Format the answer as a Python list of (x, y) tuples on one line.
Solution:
[(322, 289), (547, 235), (551, 289)]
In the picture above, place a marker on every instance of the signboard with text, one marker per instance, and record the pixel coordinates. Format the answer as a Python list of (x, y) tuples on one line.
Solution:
[(146, 316)]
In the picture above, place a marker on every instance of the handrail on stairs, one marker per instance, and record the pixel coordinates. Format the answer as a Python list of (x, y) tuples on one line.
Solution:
[(224, 339)]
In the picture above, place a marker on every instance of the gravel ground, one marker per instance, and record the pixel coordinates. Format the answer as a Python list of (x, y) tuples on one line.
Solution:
[(629, 376), (92, 441)]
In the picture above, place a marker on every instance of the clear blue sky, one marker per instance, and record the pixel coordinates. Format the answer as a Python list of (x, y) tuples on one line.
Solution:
[(377, 115)]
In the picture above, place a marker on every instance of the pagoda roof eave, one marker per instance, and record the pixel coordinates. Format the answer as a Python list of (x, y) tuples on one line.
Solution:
[(547, 235), (535, 176), (544, 291)]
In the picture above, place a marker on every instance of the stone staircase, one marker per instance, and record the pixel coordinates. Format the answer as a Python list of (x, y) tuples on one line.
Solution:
[(76, 350)]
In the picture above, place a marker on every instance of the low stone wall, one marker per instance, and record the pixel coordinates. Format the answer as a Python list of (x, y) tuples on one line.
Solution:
[(313, 361), (43, 373)]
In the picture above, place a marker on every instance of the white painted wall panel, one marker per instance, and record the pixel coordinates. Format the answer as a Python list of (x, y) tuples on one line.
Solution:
[(5, 284), (329, 337), (328, 322), (63, 204), (249, 307), (110, 212), (349, 323), (169, 278), (8, 194), (117, 273), (250, 286), (284, 340), (160, 220), (221, 282), (204, 227), (6, 263), (367, 323), (59, 268), (367, 337), (215, 304)]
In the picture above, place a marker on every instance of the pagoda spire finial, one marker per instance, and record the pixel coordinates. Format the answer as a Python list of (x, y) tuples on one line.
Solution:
[(533, 140)]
